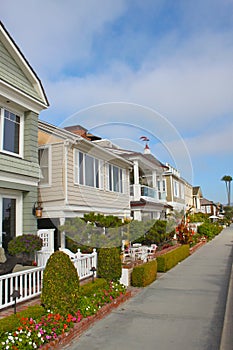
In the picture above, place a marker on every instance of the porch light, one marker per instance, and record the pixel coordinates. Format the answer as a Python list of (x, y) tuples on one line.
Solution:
[(37, 210)]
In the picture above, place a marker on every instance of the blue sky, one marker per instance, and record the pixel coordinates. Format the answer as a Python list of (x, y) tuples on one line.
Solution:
[(127, 68)]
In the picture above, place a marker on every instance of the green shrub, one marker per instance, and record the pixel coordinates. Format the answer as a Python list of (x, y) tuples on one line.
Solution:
[(144, 274), (209, 230), (170, 259), (60, 290), (109, 264)]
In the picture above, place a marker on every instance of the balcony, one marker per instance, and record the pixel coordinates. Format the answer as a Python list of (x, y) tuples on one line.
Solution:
[(148, 192), (137, 191)]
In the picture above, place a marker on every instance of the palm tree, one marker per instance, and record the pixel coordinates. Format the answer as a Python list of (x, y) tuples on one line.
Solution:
[(228, 179)]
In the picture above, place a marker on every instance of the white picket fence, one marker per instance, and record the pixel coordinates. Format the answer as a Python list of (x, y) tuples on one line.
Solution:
[(29, 282)]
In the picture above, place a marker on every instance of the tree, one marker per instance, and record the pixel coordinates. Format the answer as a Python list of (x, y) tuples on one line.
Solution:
[(228, 179)]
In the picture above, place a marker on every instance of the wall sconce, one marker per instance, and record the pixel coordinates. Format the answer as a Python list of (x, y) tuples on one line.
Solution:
[(37, 210)]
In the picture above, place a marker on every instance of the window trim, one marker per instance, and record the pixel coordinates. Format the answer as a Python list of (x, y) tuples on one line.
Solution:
[(21, 132), (49, 165)]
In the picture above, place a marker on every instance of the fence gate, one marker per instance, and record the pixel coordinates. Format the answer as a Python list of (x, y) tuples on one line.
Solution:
[(47, 236)]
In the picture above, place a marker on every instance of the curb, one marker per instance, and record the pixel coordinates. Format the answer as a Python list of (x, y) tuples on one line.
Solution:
[(227, 333)]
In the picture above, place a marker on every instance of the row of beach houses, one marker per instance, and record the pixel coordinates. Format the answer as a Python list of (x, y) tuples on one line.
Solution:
[(49, 174)]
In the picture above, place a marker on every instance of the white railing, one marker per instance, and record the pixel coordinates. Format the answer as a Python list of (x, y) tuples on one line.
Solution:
[(28, 283)]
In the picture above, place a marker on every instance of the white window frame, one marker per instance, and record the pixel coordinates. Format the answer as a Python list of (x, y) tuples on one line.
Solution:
[(11, 194), (77, 170), (21, 132), (176, 188), (110, 181), (49, 165)]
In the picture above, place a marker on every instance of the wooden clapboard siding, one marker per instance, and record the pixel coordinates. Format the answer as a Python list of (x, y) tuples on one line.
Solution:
[(94, 198), (11, 73), (169, 188), (55, 191), (31, 137), (17, 166)]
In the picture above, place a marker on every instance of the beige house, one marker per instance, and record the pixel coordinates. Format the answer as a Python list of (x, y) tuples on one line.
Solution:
[(78, 177), (177, 188)]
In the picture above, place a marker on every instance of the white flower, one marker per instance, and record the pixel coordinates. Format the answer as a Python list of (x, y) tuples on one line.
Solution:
[(20, 339), (3, 343), (7, 347), (29, 334), (39, 335)]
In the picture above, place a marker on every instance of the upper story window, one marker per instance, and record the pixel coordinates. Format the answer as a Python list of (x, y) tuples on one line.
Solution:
[(164, 186), (176, 188), (11, 132), (115, 178), (44, 162), (87, 170)]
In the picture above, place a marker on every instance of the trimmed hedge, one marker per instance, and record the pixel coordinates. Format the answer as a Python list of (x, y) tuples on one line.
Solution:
[(90, 288), (109, 264), (144, 274), (170, 259), (60, 289)]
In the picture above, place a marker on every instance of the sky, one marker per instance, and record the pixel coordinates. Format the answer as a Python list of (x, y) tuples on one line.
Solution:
[(130, 68)]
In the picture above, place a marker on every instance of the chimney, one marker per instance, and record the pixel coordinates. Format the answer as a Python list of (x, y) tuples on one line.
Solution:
[(147, 149)]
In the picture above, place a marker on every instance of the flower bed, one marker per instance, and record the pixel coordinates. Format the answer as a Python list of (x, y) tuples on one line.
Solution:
[(85, 323), (52, 328)]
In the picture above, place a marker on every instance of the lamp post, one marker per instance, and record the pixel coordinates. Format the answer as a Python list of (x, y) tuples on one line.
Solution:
[(15, 295), (93, 270)]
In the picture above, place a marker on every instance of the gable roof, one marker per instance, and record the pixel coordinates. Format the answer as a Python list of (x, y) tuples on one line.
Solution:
[(57, 134), (197, 191), (16, 74), (205, 201)]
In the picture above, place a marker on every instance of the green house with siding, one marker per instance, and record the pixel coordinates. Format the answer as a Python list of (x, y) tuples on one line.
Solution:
[(22, 98)]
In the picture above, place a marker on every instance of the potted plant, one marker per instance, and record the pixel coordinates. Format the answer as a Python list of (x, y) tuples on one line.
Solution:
[(24, 247)]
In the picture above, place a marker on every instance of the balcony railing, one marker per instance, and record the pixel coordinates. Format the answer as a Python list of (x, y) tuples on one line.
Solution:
[(162, 196), (149, 192)]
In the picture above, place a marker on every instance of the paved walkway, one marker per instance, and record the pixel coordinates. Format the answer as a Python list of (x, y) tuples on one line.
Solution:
[(182, 310)]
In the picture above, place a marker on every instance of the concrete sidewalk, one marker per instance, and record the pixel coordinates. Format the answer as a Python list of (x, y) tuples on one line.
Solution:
[(182, 310)]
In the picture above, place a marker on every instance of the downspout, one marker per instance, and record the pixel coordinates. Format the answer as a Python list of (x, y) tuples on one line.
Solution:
[(66, 146)]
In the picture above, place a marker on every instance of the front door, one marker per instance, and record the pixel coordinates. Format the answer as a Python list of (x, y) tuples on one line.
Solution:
[(8, 220)]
